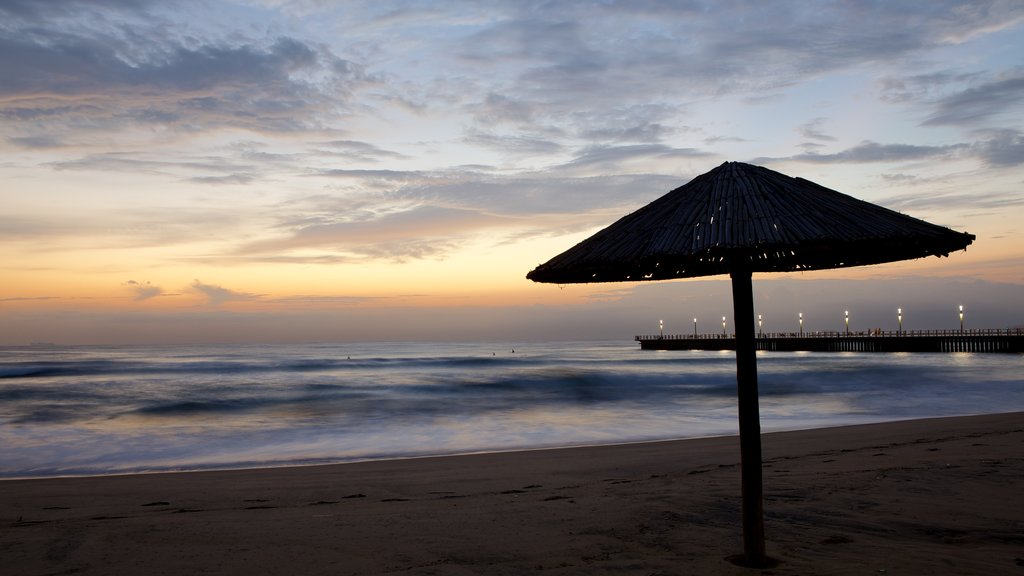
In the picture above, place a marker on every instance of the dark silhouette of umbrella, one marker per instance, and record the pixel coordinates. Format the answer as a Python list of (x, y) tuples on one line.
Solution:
[(739, 219)]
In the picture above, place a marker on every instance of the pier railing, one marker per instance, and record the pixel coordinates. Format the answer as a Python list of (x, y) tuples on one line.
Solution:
[(974, 340)]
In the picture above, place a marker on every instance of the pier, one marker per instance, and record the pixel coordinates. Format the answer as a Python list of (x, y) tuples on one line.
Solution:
[(1004, 341)]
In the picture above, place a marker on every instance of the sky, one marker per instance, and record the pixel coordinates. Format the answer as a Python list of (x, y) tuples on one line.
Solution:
[(310, 171)]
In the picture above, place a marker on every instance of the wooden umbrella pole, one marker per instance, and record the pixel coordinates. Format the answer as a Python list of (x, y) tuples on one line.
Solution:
[(749, 418)]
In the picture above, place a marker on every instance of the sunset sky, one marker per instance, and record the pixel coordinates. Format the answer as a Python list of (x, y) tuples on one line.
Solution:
[(276, 171)]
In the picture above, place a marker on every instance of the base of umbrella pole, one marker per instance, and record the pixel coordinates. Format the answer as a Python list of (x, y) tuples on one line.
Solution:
[(741, 561), (754, 554)]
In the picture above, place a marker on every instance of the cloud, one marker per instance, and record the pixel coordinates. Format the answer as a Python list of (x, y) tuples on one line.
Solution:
[(416, 232), (115, 161), (606, 73), (988, 200), (102, 227), (214, 170), (109, 65), (410, 215), (612, 157), (28, 298), (979, 103), (501, 109), (546, 78), (518, 195), (27, 229), (602, 52), (710, 140), (218, 295), (36, 142), (322, 300), (252, 253), (514, 144), (900, 178), (33, 9), (1003, 148), (239, 179), (638, 132), (921, 87), (812, 130), (144, 290), (390, 175), (524, 79), (359, 151), (867, 152), (997, 148)]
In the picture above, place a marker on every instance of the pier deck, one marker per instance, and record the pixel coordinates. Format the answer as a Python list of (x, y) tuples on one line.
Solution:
[(1007, 341)]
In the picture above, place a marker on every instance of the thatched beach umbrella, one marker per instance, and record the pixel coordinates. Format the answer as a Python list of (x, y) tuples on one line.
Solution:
[(739, 219)]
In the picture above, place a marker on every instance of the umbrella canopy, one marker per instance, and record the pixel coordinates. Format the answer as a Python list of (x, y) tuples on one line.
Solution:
[(744, 213), (739, 219)]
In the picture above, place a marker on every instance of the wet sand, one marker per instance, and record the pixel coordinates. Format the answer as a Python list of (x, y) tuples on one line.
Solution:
[(937, 496)]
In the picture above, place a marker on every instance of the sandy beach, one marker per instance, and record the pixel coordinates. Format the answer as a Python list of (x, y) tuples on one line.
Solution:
[(936, 496)]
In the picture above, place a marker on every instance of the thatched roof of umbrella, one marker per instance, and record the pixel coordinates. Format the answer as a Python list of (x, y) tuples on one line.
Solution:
[(738, 211), (739, 219)]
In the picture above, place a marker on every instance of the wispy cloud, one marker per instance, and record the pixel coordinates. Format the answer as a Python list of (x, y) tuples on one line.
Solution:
[(322, 300), (359, 151), (613, 157), (217, 295), (144, 290), (124, 227), (1002, 148), (580, 52), (514, 144), (417, 215), (867, 152), (391, 175), (999, 148), (229, 179), (37, 142), (412, 233), (812, 130), (28, 298), (109, 65), (141, 163), (927, 87), (996, 199), (979, 103)]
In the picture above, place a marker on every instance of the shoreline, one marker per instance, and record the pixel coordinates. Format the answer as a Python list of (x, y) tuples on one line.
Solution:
[(498, 451), (911, 496)]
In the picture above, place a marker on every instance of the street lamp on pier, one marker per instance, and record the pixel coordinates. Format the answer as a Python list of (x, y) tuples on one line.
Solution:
[(899, 319), (847, 322), (801, 316), (759, 325), (724, 333), (961, 318), (694, 327)]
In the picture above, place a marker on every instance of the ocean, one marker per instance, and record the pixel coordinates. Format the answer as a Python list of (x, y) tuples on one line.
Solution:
[(88, 410)]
